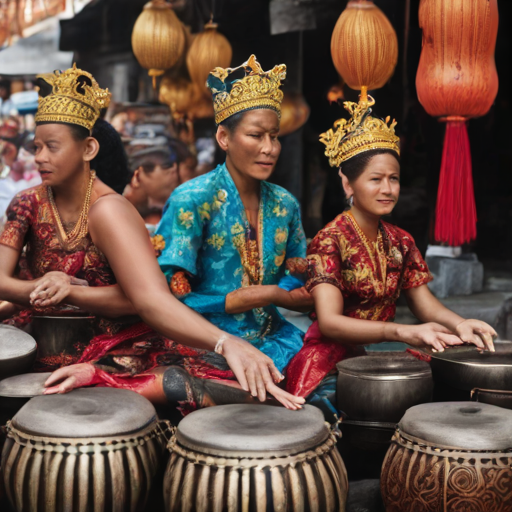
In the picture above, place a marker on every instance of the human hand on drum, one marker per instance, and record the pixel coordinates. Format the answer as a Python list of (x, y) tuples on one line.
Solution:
[(53, 288), (71, 377), (431, 335), (256, 372), (478, 333)]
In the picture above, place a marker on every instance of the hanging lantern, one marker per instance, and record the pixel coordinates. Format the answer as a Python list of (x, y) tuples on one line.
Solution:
[(364, 46), (208, 50), (201, 109), (294, 113), (179, 93), (457, 80), (158, 39)]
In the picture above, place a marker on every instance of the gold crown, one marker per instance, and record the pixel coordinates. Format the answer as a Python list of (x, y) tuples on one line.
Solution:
[(76, 98), (257, 89), (360, 133)]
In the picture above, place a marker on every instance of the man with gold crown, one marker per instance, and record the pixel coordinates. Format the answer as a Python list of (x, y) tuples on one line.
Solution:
[(359, 264), (78, 231)]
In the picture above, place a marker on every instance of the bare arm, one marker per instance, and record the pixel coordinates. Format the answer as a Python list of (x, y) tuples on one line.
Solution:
[(131, 256), (428, 308), (333, 324), (57, 287), (245, 299), (12, 289)]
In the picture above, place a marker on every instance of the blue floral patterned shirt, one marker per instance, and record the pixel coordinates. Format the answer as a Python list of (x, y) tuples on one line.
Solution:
[(203, 226)]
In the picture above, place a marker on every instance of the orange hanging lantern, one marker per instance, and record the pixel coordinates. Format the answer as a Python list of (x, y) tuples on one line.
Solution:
[(457, 80), (364, 46), (158, 39), (208, 51), (294, 113)]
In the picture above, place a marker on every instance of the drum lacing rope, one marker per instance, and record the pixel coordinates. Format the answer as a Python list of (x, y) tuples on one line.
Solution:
[(249, 462), (420, 445), (87, 445)]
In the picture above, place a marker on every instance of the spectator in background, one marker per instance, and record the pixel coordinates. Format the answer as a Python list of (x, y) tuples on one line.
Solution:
[(17, 168), (5, 103), (157, 171)]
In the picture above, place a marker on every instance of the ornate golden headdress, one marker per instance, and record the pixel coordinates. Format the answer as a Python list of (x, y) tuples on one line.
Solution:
[(360, 133), (75, 98), (257, 89)]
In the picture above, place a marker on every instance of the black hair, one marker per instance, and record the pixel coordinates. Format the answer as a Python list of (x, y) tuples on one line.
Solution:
[(354, 167), (77, 132), (233, 121), (111, 162)]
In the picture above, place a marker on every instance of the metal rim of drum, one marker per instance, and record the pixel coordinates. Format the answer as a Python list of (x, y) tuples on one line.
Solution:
[(417, 369), (183, 462)]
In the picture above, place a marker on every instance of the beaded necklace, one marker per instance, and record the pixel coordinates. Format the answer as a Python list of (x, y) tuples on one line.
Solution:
[(377, 246), (71, 240)]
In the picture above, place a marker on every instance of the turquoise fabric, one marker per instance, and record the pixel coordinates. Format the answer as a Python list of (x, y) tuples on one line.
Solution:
[(202, 221)]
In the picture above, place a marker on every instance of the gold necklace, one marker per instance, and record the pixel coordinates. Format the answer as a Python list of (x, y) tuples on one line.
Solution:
[(69, 241), (378, 248)]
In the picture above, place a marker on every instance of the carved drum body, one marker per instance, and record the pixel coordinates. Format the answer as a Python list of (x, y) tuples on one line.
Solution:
[(450, 457), (254, 458), (90, 450)]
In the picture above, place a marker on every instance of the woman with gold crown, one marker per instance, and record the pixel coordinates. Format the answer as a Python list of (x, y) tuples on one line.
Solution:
[(359, 264), (78, 231)]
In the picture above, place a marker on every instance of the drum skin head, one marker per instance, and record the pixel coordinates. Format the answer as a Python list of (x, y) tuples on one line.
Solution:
[(26, 385), (15, 343), (464, 425), (252, 429), (86, 412)]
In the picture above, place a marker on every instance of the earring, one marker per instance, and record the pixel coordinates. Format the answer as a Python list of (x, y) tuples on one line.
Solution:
[(350, 201)]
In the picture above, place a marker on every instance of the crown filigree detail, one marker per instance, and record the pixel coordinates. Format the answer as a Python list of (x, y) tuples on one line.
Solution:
[(257, 89), (75, 98), (360, 133)]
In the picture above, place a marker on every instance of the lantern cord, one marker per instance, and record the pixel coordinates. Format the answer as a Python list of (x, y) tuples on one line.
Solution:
[(456, 209)]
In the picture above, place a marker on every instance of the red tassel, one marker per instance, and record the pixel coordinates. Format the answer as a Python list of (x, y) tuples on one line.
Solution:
[(456, 209)]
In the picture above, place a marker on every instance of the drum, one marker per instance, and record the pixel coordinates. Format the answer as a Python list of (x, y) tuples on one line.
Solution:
[(381, 387), (254, 458), (493, 397), (450, 456), (17, 351), (16, 391), (94, 449), (61, 339)]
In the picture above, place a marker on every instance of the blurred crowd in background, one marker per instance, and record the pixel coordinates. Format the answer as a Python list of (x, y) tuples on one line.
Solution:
[(160, 152)]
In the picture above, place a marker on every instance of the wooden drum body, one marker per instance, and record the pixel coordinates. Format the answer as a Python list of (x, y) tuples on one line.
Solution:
[(90, 450), (254, 458), (458, 458)]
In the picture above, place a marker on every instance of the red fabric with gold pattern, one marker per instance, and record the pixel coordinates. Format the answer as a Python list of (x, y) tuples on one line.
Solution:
[(340, 257)]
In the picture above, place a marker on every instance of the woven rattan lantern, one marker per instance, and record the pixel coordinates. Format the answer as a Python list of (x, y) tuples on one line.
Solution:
[(364, 46), (158, 39), (208, 50), (179, 93), (457, 80)]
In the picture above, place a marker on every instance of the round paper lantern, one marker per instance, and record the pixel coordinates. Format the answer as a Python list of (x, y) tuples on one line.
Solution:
[(294, 113), (158, 39), (208, 51), (457, 80), (179, 93), (364, 46)]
